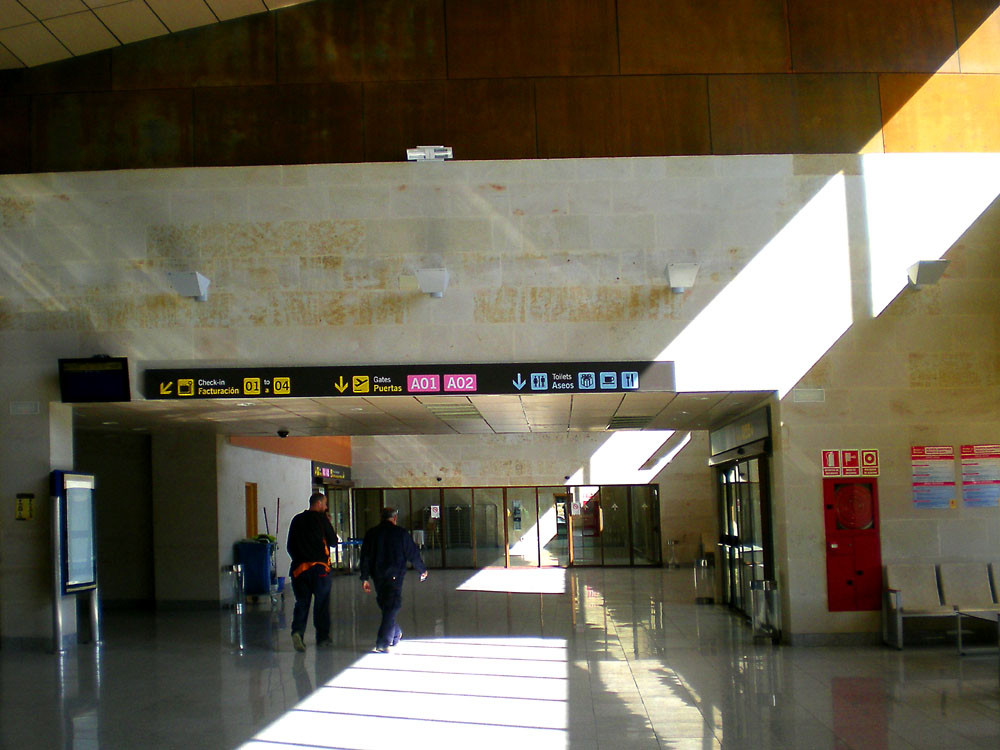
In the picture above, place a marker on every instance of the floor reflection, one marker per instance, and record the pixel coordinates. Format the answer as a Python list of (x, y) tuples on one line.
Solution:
[(623, 658)]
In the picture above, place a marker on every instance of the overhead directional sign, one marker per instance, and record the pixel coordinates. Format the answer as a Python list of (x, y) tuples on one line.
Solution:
[(409, 380)]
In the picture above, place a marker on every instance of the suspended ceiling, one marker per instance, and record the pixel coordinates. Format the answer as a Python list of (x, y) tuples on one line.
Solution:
[(36, 32), (428, 415)]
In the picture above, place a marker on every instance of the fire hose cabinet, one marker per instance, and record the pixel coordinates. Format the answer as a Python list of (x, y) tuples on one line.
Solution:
[(853, 544)]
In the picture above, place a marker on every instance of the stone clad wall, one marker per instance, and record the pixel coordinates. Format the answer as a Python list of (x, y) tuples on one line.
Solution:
[(802, 269)]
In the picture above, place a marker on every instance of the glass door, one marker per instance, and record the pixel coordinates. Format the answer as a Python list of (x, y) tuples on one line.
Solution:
[(367, 510), (457, 514), (522, 526), (339, 500), (552, 526), (615, 535), (746, 554), (488, 526), (400, 500), (587, 525), (644, 501), (427, 525)]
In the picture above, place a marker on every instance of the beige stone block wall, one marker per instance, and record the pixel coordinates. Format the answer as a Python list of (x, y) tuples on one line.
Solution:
[(689, 501), (549, 259), (923, 373), (186, 560)]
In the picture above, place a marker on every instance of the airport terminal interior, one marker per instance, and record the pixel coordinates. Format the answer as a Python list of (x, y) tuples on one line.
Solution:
[(670, 328)]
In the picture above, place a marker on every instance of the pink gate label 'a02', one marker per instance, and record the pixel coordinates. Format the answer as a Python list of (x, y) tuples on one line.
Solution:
[(462, 383)]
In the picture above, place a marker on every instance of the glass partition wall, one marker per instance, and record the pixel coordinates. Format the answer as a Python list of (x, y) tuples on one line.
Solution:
[(477, 527)]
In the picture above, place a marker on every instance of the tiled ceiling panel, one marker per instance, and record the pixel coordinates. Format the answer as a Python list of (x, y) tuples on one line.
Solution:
[(36, 32), (132, 21), (82, 33), (408, 415), (45, 9)]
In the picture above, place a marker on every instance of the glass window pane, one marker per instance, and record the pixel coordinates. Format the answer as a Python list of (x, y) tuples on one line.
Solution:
[(614, 535), (400, 500), (427, 525), (552, 538), (488, 504), (458, 527), (522, 529), (586, 526), (645, 525), (367, 507)]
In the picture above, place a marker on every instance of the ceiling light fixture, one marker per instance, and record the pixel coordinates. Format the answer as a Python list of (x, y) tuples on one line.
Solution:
[(926, 272), (432, 281), (189, 284), (680, 276), (429, 153)]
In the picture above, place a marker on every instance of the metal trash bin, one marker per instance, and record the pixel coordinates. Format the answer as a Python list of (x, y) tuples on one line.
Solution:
[(704, 581), (234, 574), (672, 554), (351, 554), (764, 615)]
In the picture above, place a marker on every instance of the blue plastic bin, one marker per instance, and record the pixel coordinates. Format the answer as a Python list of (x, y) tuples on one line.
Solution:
[(255, 557)]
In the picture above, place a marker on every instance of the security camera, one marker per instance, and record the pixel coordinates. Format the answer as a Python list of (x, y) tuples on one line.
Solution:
[(438, 478), (282, 433)]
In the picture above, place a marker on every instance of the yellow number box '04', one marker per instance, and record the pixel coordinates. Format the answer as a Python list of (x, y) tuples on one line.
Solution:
[(282, 386)]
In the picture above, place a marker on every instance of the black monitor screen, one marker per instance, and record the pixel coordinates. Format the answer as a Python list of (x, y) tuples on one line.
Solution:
[(96, 379)]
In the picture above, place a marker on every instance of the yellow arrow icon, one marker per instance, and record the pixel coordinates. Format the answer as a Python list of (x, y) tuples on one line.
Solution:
[(166, 388), (340, 385)]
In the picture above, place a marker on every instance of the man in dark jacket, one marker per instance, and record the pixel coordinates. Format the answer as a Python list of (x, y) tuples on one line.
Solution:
[(385, 551), (310, 538)]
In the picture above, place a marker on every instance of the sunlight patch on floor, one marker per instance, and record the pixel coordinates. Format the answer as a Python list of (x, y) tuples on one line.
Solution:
[(480, 693), (518, 581)]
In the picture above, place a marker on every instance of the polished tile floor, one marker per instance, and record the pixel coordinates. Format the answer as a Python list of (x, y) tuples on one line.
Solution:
[(621, 659)]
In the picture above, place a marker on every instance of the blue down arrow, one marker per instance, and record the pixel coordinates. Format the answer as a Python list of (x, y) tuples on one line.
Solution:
[(520, 382)]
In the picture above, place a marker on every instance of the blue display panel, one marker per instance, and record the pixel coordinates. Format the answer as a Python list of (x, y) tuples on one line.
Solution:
[(78, 551)]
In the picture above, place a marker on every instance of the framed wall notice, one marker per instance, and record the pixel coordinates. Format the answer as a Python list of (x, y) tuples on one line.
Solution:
[(933, 469), (981, 475)]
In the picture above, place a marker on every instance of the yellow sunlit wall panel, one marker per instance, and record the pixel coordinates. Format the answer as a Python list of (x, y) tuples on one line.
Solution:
[(942, 113)]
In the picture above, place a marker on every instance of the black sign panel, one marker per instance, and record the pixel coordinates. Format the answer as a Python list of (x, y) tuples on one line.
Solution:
[(409, 380), (747, 429), (95, 379), (331, 473)]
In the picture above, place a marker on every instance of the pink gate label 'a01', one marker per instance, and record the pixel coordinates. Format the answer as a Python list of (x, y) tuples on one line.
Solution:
[(423, 383)]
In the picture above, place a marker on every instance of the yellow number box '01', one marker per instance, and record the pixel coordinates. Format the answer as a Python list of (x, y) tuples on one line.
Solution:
[(251, 386), (282, 386)]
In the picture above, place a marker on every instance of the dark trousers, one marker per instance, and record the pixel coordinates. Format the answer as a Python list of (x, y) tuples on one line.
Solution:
[(389, 595), (313, 583)]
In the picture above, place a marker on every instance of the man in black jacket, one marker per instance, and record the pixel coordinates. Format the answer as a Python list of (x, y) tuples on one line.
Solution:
[(310, 538), (385, 551)]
